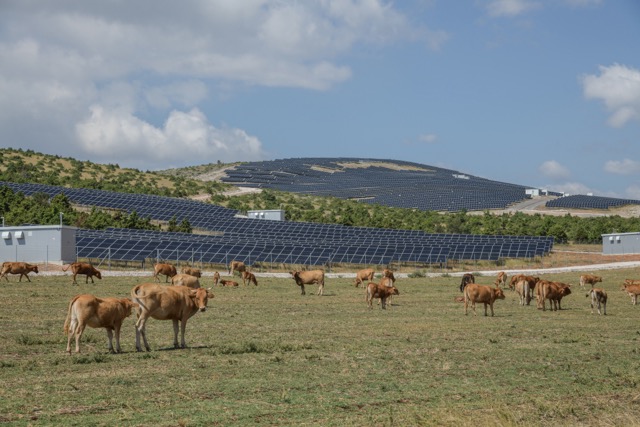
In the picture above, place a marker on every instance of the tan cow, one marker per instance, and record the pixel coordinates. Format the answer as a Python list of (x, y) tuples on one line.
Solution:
[(83, 268), (249, 277), (216, 278), (524, 288), (514, 280), (88, 310), (474, 293), (185, 280), (389, 273), (192, 271), (309, 277), (633, 291), (21, 268), (364, 275), (589, 279), (552, 291), (238, 266), (380, 291), (599, 298), (466, 279), (175, 303), (168, 270), (231, 283), (501, 279)]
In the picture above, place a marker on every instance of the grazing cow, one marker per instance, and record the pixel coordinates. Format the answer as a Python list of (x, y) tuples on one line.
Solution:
[(589, 279), (167, 270), (474, 293), (192, 271), (362, 275), (249, 277), (377, 290), (88, 310), (83, 268), (552, 291), (466, 279), (388, 273), (514, 280), (185, 280), (238, 266), (599, 297), (632, 282), (224, 282), (309, 277), (524, 287), (502, 279), (216, 278), (21, 268), (633, 291), (175, 303)]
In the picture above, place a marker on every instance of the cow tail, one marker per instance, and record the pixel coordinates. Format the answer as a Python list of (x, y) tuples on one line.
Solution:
[(67, 321), (527, 297), (68, 267)]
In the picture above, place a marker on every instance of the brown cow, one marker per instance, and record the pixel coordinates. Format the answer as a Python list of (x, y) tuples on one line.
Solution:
[(216, 278), (309, 277), (487, 295), (502, 279), (88, 310), (224, 282), (249, 277), (83, 268), (185, 280), (589, 279), (377, 290), (599, 297), (466, 279), (514, 280), (633, 291), (552, 291), (175, 303), (167, 270), (21, 268), (524, 287), (192, 271), (238, 266), (388, 273), (362, 275)]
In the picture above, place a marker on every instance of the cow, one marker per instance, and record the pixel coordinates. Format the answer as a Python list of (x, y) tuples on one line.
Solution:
[(192, 271), (167, 270), (185, 280), (88, 310), (632, 281), (249, 277), (378, 290), (514, 280), (216, 278), (466, 279), (524, 288), (362, 275), (633, 291), (589, 279), (502, 279), (21, 268), (552, 291), (388, 282), (83, 268), (232, 283), (599, 298), (175, 303), (474, 293), (388, 273), (309, 277), (238, 266)]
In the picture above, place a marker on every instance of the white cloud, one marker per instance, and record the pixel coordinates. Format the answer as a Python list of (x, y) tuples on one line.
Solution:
[(618, 86), (633, 192), (428, 138), (509, 8), (622, 167), (185, 139), (554, 170), (583, 3)]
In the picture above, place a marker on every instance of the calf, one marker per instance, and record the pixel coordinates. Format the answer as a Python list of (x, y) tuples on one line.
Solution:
[(362, 275), (466, 279), (633, 291), (83, 268), (166, 270), (21, 268), (224, 282), (474, 293), (589, 279), (501, 280), (249, 277), (238, 266), (185, 280), (216, 278), (88, 310), (378, 290), (309, 277), (599, 297), (175, 303)]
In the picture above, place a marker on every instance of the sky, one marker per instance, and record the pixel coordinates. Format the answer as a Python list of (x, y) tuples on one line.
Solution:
[(544, 93)]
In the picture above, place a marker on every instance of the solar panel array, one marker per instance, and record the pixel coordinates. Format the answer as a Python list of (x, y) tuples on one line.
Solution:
[(256, 240), (385, 182), (589, 202)]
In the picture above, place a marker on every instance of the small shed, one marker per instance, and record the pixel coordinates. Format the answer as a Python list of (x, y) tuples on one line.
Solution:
[(621, 243), (42, 244), (272, 214)]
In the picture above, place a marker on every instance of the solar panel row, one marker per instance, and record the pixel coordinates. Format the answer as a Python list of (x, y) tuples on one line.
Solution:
[(589, 202)]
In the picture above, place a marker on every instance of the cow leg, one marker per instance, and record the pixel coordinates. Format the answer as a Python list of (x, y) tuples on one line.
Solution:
[(321, 288), (176, 327), (74, 279), (72, 331), (183, 328), (110, 336), (79, 330), (140, 330), (466, 305), (383, 303), (490, 305), (302, 287), (117, 334), (91, 277), (604, 307)]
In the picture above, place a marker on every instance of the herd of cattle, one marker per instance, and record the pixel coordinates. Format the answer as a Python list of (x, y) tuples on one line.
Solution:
[(185, 297)]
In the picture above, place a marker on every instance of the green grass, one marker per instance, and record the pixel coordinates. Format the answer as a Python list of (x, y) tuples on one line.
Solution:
[(268, 356)]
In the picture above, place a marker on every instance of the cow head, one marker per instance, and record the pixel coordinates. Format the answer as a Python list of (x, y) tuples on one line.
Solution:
[(98, 274), (201, 297), (394, 290), (34, 268), (499, 293), (128, 305)]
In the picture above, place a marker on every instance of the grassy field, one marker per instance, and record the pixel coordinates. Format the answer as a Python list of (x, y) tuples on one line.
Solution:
[(268, 356)]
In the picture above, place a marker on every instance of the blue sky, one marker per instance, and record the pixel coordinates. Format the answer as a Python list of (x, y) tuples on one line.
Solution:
[(535, 92)]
